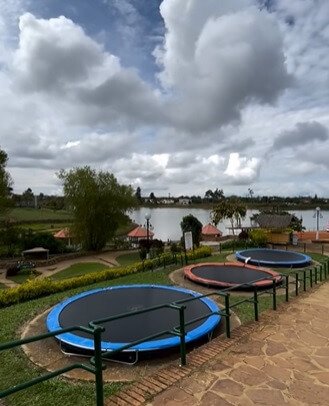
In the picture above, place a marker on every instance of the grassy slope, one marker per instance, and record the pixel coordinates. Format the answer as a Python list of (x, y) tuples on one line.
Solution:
[(34, 215), (24, 275), (79, 270)]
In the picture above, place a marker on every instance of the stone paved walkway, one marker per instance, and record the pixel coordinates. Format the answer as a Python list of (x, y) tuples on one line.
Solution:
[(284, 361)]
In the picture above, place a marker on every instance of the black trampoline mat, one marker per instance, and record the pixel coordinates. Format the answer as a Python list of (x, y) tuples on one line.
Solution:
[(112, 302), (228, 273), (272, 255)]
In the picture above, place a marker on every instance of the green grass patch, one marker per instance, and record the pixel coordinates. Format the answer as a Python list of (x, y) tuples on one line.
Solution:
[(79, 269), (34, 215), (24, 275), (45, 227), (128, 259)]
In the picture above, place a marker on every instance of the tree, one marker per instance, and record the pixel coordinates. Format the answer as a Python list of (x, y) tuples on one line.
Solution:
[(138, 194), (5, 183), (98, 203), (28, 198), (191, 223), (234, 211)]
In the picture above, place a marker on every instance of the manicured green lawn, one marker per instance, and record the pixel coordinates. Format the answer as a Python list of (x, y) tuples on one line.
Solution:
[(27, 214), (128, 259), (24, 275), (79, 270)]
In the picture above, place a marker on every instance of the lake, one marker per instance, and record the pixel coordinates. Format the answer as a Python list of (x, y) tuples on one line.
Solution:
[(166, 221)]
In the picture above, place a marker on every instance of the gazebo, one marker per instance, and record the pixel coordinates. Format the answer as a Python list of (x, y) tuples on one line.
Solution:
[(210, 233), (64, 234), (36, 253), (139, 233)]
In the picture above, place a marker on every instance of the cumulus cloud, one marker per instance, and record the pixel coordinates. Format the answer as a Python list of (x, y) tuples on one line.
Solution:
[(56, 58), (217, 57), (303, 133), (241, 170)]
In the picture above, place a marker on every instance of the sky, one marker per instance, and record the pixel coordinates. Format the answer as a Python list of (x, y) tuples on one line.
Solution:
[(175, 97)]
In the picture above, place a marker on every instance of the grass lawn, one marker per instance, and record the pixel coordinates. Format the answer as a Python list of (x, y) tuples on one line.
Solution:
[(2, 286), (24, 275), (45, 227), (128, 259), (34, 215), (79, 270)]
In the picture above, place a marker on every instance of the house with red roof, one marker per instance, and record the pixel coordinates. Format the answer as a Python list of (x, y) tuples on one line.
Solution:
[(210, 233), (139, 233)]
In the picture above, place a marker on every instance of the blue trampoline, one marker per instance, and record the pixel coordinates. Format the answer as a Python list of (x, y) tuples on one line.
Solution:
[(102, 303), (273, 258)]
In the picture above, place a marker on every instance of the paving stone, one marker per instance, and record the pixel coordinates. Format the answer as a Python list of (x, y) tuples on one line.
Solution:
[(218, 367), (248, 375), (211, 399), (277, 384), (323, 361), (174, 397), (277, 372), (309, 393), (266, 397), (322, 352), (322, 377), (274, 348), (228, 386)]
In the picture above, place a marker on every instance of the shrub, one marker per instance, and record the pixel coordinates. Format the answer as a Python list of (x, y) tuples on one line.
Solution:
[(258, 237), (244, 235)]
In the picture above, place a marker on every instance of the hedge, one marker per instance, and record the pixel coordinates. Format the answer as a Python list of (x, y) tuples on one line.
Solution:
[(33, 289)]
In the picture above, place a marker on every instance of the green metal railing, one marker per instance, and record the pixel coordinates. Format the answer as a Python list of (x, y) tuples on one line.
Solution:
[(95, 328)]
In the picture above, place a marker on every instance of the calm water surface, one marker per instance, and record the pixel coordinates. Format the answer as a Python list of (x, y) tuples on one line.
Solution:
[(166, 221)]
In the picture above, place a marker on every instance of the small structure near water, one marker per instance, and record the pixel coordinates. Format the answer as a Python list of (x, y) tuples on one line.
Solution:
[(210, 233)]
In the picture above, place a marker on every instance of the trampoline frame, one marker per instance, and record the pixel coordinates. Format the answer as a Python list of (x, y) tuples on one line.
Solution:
[(83, 343), (304, 261), (188, 273)]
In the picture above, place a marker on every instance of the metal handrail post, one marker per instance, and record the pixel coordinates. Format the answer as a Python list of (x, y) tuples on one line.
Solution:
[(182, 335), (296, 283), (316, 275), (311, 277), (287, 288), (274, 294), (256, 303), (97, 361), (227, 316)]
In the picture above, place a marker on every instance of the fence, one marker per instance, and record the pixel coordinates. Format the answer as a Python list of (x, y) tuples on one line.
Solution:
[(305, 278)]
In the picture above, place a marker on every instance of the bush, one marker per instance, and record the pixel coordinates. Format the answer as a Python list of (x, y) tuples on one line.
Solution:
[(33, 289), (258, 237), (244, 235)]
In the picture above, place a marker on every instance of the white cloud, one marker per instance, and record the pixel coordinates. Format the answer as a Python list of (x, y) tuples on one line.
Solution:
[(241, 170), (218, 57), (221, 101)]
